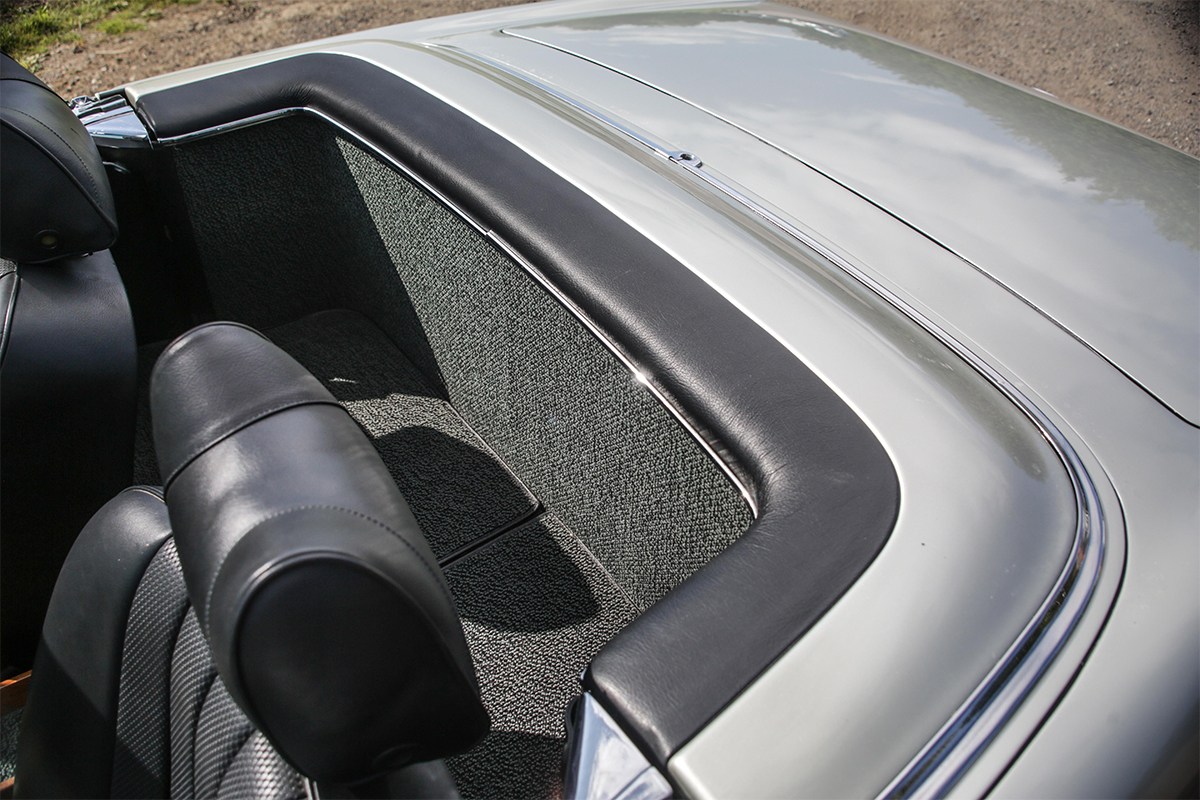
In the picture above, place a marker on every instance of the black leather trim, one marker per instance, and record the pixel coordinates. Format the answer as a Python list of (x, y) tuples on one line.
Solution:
[(52, 182), (826, 489), (68, 728), (327, 615)]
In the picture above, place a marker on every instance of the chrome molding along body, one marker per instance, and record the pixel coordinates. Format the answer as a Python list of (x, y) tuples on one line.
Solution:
[(944, 759), (947, 756)]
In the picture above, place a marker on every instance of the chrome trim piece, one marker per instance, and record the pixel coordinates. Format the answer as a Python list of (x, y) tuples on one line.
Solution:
[(248, 122), (944, 759), (638, 374), (602, 764), (110, 120)]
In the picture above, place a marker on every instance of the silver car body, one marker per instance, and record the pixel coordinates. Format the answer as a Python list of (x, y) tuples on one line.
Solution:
[(1004, 288)]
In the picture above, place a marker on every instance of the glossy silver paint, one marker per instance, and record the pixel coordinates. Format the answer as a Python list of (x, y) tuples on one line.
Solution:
[(945, 758), (1088, 222), (986, 514)]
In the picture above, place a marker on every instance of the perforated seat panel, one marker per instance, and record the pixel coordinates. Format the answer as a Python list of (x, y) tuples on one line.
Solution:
[(179, 733)]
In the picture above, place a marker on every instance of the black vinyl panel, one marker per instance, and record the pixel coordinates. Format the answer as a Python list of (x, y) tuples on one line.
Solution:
[(827, 492)]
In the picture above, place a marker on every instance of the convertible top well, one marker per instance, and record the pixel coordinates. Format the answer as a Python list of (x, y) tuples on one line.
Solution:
[(825, 489)]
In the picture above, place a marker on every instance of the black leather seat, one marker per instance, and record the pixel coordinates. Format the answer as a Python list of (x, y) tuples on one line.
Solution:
[(68, 358), (274, 612)]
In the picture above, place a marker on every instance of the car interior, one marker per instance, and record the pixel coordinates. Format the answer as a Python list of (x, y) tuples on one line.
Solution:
[(366, 312)]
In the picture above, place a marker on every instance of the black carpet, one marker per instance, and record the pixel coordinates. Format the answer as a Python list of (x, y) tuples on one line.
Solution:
[(455, 485), (290, 219), (536, 606), (466, 374)]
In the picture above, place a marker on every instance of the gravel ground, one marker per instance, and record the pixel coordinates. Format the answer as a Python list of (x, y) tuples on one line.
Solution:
[(1135, 62)]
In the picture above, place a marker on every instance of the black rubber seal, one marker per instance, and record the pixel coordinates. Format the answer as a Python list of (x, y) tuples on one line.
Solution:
[(826, 489)]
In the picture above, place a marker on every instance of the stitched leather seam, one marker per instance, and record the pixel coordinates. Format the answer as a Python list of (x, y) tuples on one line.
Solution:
[(428, 568), (240, 426)]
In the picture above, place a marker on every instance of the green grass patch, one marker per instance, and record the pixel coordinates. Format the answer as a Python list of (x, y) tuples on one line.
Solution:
[(28, 27), (115, 26)]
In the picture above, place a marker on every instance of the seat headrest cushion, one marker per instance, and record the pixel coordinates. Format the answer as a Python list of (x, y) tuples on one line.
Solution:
[(326, 612), (54, 193)]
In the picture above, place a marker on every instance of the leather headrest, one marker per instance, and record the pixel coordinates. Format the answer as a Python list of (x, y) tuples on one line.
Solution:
[(54, 193), (325, 609)]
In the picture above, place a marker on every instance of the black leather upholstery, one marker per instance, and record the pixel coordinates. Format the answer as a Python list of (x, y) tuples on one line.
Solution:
[(827, 492), (280, 610), (327, 615), (68, 357), (68, 383), (68, 728), (55, 196), (125, 700)]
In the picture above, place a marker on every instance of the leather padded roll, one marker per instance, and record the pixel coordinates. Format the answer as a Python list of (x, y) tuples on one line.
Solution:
[(53, 189), (326, 612)]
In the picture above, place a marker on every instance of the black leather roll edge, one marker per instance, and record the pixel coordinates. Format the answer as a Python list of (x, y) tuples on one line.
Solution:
[(827, 492)]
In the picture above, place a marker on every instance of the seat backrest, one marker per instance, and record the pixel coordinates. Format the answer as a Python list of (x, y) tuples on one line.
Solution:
[(280, 614), (53, 189), (325, 609), (67, 349)]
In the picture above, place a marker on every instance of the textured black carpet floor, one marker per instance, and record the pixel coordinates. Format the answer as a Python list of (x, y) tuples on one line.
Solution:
[(10, 725), (536, 606), (456, 487)]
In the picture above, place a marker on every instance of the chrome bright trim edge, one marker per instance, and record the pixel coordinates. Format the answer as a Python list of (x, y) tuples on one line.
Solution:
[(110, 119), (247, 122), (640, 375), (944, 759), (603, 764)]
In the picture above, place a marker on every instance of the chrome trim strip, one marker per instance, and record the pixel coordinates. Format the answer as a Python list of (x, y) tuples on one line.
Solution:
[(638, 374), (111, 120), (247, 122), (944, 759)]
